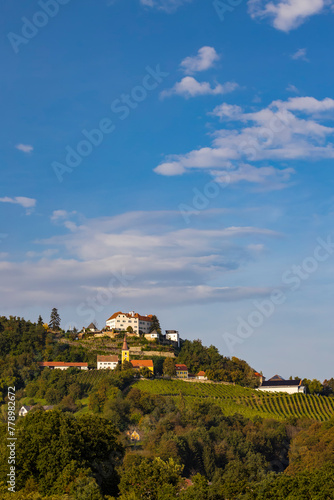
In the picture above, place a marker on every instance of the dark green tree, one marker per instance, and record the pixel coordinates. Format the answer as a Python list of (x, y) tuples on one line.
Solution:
[(169, 367), (155, 325), (54, 320)]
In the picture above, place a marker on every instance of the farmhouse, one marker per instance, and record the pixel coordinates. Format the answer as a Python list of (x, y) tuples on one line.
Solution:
[(25, 409), (107, 362), (153, 336), (181, 371), (142, 363), (121, 321), (278, 384), (201, 376), (62, 365)]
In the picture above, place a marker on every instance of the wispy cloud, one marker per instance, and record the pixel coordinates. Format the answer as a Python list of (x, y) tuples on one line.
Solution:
[(278, 132), (292, 88), (27, 203), (168, 6), (25, 148), (171, 266), (300, 54), (204, 60), (190, 87), (286, 15)]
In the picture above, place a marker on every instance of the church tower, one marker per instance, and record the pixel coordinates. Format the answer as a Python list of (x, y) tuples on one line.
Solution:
[(125, 351)]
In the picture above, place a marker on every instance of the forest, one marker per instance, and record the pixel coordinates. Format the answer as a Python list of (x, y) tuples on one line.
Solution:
[(186, 445)]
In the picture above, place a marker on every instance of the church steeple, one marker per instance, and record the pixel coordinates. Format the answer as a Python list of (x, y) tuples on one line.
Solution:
[(125, 351)]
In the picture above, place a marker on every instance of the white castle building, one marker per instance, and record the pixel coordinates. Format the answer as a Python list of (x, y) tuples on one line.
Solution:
[(121, 321)]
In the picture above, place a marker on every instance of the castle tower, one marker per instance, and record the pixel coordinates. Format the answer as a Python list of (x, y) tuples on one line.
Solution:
[(125, 351)]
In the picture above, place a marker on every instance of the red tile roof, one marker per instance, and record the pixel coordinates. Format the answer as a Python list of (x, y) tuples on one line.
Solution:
[(181, 367), (136, 315), (137, 363), (61, 363), (201, 374)]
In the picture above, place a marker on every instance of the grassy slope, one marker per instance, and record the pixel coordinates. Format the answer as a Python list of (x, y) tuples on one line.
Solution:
[(250, 403)]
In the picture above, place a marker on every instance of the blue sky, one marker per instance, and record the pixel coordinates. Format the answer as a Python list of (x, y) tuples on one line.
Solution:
[(173, 157)]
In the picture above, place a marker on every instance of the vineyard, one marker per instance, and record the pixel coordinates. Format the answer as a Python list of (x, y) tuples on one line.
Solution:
[(91, 378), (250, 403)]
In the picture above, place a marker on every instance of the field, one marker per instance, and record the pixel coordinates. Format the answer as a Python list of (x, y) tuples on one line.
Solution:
[(91, 378), (250, 403)]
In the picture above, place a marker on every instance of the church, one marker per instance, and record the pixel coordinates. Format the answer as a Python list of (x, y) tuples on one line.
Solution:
[(105, 362), (136, 363)]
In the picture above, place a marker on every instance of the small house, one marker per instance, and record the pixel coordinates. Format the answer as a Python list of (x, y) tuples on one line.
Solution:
[(107, 362), (181, 371), (24, 410), (142, 363)]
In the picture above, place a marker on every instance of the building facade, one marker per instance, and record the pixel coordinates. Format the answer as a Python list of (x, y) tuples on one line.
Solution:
[(173, 336), (181, 371), (142, 363), (278, 384), (121, 321), (107, 362), (62, 365)]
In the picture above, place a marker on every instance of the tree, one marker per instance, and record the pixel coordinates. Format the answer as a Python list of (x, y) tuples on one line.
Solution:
[(54, 320), (146, 478), (129, 329), (169, 367), (50, 442), (145, 372), (155, 325), (127, 365)]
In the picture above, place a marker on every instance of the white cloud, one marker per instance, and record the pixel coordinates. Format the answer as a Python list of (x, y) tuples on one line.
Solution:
[(226, 111), (203, 61), (286, 15), (45, 253), (190, 87), (278, 132), (60, 215), (300, 54), (308, 105), (268, 178), (292, 88), (25, 148), (157, 265), (168, 6), (27, 203)]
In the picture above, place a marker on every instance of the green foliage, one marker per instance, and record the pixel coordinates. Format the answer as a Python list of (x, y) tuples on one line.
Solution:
[(235, 399), (155, 325), (169, 367), (55, 449), (145, 372), (54, 323), (145, 477), (217, 367)]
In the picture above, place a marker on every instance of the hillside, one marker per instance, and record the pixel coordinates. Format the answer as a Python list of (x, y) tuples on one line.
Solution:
[(248, 402)]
